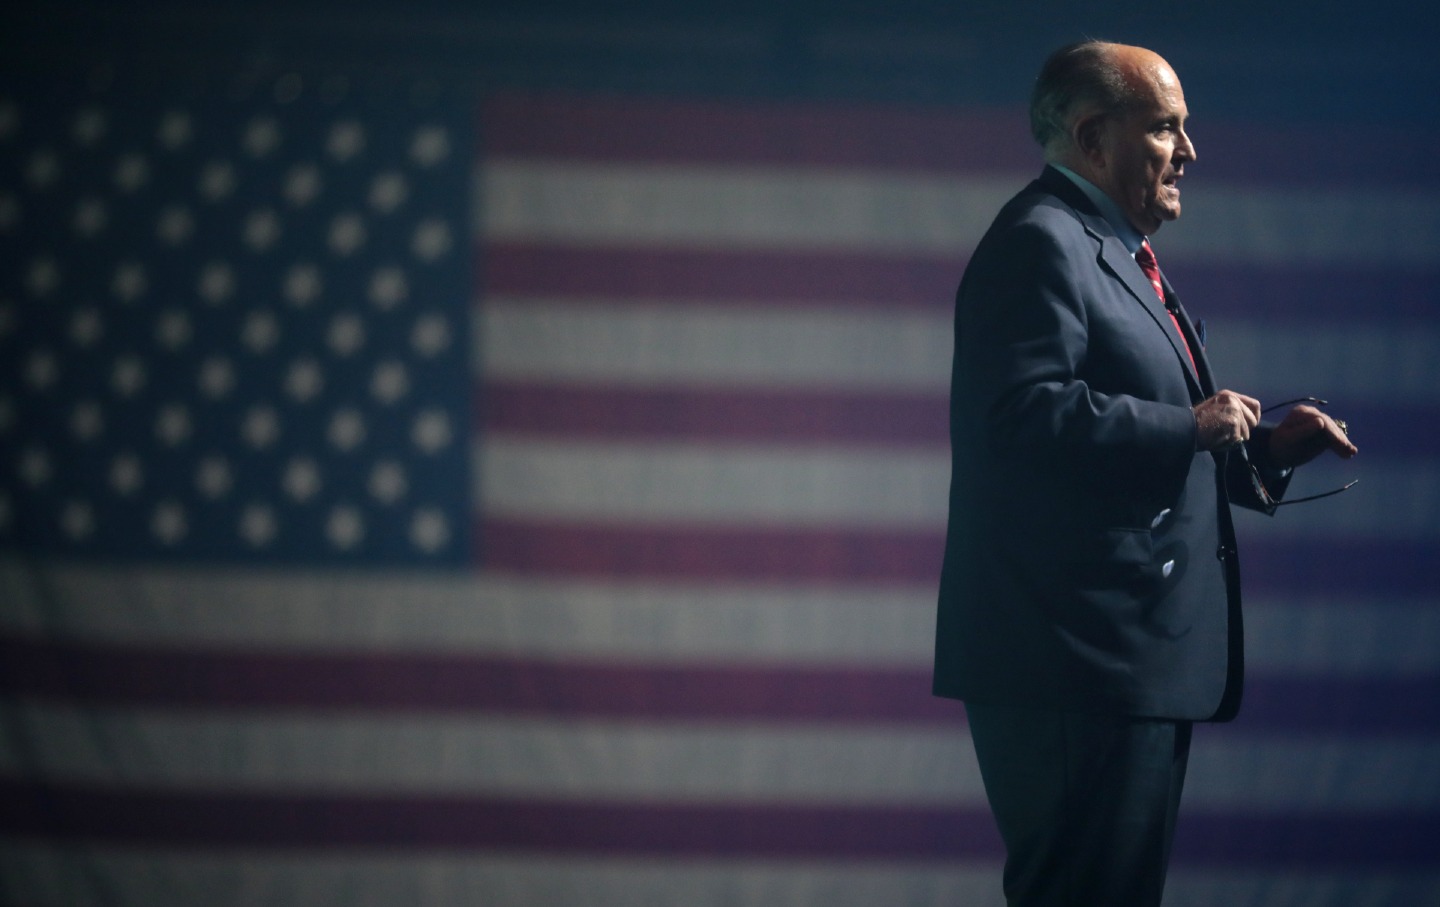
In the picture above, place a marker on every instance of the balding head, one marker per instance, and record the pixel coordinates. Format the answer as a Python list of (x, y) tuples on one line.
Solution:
[(1087, 79), (1115, 115)]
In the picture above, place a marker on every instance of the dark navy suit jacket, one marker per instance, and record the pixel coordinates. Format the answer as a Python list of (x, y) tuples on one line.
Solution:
[(1090, 558)]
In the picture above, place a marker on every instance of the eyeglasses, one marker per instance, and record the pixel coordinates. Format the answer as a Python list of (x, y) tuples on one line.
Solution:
[(1266, 499)]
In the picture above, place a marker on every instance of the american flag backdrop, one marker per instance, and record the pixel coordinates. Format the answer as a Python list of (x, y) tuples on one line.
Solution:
[(538, 499)]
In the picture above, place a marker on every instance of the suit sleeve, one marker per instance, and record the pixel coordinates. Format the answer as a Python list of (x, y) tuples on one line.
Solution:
[(1023, 324)]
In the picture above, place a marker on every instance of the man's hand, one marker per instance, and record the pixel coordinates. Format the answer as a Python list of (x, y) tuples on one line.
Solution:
[(1305, 434), (1225, 420)]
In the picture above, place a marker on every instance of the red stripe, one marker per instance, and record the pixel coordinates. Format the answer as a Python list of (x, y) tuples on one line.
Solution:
[(409, 683), (303, 821), (208, 819), (746, 554), (192, 678), (756, 132), (676, 276), (714, 415), (917, 139), (673, 275)]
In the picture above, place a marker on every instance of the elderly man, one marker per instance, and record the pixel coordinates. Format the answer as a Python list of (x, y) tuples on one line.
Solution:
[(1089, 605)]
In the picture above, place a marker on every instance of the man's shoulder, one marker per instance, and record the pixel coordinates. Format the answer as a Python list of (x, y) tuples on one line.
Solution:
[(1039, 214)]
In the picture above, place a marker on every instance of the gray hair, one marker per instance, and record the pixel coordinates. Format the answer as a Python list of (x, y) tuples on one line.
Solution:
[(1077, 77)]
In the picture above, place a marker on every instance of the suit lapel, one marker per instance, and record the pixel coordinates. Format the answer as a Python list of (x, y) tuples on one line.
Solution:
[(1202, 364), (1116, 259)]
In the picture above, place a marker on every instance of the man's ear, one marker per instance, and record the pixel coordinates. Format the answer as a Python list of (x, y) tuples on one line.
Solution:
[(1086, 134)]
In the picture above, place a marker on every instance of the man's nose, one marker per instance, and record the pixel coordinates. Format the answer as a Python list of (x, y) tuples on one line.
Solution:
[(1185, 149)]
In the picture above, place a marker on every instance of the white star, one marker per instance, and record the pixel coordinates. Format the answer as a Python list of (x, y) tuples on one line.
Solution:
[(132, 172), (87, 420), (388, 192), (390, 382), (43, 277), (172, 424), (89, 126), (261, 427), (303, 284), (86, 327), (346, 140), (260, 332), (432, 239), (345, 529), (431, 335), (262, 136), (217, 180), (213, 477), (129, 283), (77, 520), (302, 184), (347, 233), (431, 431), (304, 380), (128, 376), (258, 525), (429, 530), (347, 429), (43, 170), (387, 482), (430, 146), (388, 288), (217, 377), (169, 524), (175, 225), (217, 282), (302, 479), (173, 330), (261, 230), (174, 129), (90, 217), (126, 476), (346, 334), (35, 467), (42, 369)]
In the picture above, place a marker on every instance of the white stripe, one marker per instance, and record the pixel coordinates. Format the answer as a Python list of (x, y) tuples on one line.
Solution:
[(735, 207), (814, 208), (858, 489), (1396, 500), (756, 486), (687, 345), (51, 877), (549, 759), (1309, 225), (888, 627), (430, 612), (660, 762), (1210, 886), (595, 340)]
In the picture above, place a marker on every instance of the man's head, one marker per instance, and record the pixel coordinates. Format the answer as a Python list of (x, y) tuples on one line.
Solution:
[(1116, 115)]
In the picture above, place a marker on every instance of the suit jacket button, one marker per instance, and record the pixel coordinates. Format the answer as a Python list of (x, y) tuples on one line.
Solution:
[(1220, 552)]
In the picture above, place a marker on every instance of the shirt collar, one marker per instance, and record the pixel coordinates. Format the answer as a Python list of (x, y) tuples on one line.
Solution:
[(1124, 230)]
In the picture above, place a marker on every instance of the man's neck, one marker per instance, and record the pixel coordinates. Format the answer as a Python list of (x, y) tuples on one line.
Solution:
[(1125, 230)]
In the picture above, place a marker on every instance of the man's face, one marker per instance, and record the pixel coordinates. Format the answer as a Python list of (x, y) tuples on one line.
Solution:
[(1141, 154)]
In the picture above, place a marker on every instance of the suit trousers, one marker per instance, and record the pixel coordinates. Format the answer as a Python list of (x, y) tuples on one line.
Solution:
[(1086, 803)]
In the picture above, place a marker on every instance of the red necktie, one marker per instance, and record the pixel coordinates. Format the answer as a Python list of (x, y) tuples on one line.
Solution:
[(1145, 257)]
